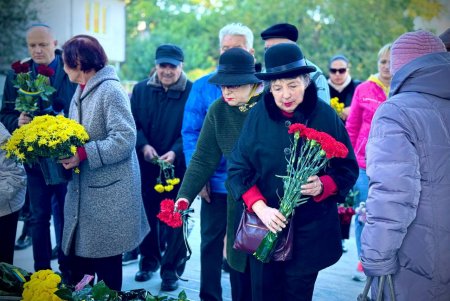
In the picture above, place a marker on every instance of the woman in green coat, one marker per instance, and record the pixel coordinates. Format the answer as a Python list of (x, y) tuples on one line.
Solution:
[(241, 90)]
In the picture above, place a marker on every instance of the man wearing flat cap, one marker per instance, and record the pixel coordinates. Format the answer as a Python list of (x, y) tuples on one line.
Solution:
[(158, 105), (288, 33)]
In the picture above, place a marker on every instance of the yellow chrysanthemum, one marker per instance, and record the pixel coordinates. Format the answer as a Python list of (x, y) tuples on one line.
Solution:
[(159, 188), (45, 136), (168, 188)]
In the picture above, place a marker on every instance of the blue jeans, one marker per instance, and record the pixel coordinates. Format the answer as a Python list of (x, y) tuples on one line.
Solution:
[(362, 185)]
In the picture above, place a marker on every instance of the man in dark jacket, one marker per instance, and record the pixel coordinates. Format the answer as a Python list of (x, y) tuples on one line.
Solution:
[(42, 49), (158, 105)]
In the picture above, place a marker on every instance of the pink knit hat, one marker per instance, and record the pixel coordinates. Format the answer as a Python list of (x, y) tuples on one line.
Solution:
[(412, 45)]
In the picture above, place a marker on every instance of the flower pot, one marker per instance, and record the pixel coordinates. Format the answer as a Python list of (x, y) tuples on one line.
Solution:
[(54, 172)]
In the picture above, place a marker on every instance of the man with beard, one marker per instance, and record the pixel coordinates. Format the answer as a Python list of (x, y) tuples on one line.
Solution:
[(157, 105)]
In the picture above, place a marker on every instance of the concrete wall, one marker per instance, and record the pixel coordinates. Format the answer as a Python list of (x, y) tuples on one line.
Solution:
[(103, 19)]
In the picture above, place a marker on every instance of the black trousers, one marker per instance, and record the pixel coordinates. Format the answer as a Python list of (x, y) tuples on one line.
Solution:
[(213, 222), (241, 286), (41, 197), (108, 269), (280, 281), (8, 224)]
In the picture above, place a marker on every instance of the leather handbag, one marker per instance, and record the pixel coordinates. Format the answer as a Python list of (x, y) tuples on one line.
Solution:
[(381, 284), (251, 231)]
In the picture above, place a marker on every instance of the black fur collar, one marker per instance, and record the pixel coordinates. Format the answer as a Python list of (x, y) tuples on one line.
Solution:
[(301, 113)]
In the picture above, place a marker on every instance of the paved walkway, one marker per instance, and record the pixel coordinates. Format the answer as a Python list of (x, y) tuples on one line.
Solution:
[(333, 284)]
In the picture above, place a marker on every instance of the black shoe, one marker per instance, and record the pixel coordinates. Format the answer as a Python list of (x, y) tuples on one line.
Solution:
[(225, 266), (23, 243), (55, 251), (169, 285), (142, 276), (129, 257)]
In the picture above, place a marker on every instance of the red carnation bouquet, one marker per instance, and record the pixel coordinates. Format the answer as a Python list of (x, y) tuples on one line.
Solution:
[(31, 89), (173, 216), (316, 149)]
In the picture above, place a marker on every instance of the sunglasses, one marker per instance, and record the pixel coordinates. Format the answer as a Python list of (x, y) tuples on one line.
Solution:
[(340, 70)]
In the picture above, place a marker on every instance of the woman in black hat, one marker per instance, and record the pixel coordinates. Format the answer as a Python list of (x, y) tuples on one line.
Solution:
[(241, 90), (260, 155)]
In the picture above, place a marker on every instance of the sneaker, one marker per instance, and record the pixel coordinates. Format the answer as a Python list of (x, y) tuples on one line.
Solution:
[(344, 247), (129, 257), (359, 275)]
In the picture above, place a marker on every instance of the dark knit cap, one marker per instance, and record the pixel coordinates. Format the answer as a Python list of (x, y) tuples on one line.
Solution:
[(282, 30), (338, 57)]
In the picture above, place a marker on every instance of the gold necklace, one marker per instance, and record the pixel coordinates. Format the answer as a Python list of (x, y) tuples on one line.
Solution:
[(246, 107)]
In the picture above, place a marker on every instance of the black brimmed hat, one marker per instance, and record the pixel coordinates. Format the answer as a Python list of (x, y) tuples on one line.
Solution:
[(282, 30), (284, 60), (236, 68)]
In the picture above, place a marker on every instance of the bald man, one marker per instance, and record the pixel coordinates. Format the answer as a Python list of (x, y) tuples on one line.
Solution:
[(41, 45)]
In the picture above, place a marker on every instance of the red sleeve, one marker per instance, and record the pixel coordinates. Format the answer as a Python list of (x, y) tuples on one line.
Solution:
[(251, 196), (329, 188), (81, 151)]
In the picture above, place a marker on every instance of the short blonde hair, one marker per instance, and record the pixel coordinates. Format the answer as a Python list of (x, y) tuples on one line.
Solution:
[(385, 49)]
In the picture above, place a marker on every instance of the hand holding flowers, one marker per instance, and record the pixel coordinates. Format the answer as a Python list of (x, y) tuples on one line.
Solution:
[(46, 136), (166, 171), (316, 149), (31, 89)]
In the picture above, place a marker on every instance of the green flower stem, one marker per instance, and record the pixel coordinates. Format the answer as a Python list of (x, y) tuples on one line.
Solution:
[(310, 161)]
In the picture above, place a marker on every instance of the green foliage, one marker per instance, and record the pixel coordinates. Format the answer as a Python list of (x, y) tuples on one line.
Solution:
[(14, 19), (351, 27)]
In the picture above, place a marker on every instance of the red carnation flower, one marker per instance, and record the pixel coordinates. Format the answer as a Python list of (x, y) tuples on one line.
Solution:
[(182, 205), (296, 127), (45, 70), (167, 205), (18, 67)]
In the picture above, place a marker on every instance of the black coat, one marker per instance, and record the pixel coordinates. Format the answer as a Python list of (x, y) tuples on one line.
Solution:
[(159, 115), (63, 95), (346, 95), (260, 155)]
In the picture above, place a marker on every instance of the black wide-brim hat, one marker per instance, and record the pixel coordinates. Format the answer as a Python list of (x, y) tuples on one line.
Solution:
[(236, 68), (284, 60)]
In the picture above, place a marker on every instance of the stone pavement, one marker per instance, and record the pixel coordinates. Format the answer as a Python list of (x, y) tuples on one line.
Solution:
[(333, 284)]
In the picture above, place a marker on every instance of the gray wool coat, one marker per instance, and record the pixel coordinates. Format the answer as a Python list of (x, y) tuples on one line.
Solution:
[(104, 213), (407, 233)]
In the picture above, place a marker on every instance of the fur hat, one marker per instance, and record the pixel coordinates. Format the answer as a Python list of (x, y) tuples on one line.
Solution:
[(236, 68), (282, 30), (284, 60), (412, 45)]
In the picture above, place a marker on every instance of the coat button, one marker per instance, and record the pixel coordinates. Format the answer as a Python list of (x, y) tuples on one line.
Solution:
[(287, 123)]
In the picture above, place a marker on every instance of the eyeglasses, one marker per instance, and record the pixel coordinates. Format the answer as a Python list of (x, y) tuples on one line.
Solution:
[(340, 70)]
